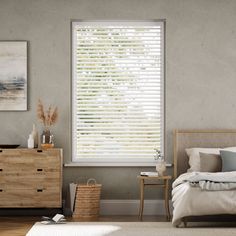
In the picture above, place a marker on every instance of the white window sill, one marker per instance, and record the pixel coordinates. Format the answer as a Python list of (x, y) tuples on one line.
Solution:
[(113, 164)]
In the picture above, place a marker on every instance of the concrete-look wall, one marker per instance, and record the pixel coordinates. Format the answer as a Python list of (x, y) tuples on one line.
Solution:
[(200, 70)]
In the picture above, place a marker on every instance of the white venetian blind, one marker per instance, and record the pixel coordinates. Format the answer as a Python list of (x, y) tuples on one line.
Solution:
[(117, 90)]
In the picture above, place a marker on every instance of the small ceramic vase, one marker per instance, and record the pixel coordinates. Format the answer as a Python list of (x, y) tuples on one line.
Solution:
[(161, 167), (35, 136)]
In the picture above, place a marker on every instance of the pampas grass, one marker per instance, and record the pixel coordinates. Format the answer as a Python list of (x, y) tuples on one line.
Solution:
[(48, 117)]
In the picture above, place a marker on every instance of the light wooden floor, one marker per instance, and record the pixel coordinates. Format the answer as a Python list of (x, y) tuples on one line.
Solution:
[(20, 225)]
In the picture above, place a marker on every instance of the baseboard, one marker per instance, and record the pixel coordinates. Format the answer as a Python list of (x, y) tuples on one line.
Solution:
[(107, 207), (131, 207)]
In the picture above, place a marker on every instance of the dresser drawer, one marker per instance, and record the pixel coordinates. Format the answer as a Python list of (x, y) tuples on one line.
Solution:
[(34, 175), (31, 197), (32, 170), (16, 181), (26, 180), (28, 162)]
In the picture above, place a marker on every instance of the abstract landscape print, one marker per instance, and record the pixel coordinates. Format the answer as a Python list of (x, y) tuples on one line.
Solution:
[(13, 75)]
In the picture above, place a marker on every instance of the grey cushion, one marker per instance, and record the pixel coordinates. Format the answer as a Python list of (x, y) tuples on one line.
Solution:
[(210, 162), (228, 161)]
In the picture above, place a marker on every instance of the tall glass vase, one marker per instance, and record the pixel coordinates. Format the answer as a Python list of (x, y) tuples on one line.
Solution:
[(47, 139)]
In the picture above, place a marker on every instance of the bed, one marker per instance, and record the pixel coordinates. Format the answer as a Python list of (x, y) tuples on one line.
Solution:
[(190, 201)]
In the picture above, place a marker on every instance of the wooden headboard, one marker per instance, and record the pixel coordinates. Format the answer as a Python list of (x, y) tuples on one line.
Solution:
[(198, 138)]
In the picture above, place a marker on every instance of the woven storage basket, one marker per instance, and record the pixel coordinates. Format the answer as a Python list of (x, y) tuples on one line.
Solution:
[(87, 201)]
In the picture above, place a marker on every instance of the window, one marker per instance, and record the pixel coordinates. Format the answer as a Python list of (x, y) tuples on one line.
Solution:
[(118, 92)]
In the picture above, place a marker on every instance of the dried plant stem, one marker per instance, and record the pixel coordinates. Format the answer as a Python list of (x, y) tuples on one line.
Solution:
[(48, 117)]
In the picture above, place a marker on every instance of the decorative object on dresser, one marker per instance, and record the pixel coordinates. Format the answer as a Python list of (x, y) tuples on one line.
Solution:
[(35, 136), (13, 75), (31, 178), (48, 117), (30, 141)]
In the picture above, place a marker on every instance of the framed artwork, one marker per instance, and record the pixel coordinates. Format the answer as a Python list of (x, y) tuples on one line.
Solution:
[(13, 75)]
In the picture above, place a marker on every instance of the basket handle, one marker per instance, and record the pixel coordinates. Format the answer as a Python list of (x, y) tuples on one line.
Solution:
[(91, 180)]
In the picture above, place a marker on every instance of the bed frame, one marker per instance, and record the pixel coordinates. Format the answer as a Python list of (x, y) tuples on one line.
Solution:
[(200, 138)]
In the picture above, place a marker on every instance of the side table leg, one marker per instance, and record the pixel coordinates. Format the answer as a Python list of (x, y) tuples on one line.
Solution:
[(167, 199), (141, 199)]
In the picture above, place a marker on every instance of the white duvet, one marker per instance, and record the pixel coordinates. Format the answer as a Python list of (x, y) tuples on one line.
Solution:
[(190, 200)]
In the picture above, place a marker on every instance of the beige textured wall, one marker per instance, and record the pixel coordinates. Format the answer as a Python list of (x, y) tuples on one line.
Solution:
[(200, 69)]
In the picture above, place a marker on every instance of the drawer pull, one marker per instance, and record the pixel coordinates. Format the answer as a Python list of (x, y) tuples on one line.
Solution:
[(1, 169), (1, 190), (39, 169), (39, 150), (39, 190), (0, 150)]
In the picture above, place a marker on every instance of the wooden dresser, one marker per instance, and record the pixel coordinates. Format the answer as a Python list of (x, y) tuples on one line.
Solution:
[(31, 178)]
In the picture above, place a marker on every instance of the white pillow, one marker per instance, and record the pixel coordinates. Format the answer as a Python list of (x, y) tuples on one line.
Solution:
[(194, 155)]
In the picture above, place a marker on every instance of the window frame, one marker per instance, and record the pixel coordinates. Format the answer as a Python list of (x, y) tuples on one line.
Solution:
[(109, 161)]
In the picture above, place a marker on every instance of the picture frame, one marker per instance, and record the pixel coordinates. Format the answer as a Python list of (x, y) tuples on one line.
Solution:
[(13, 75)]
